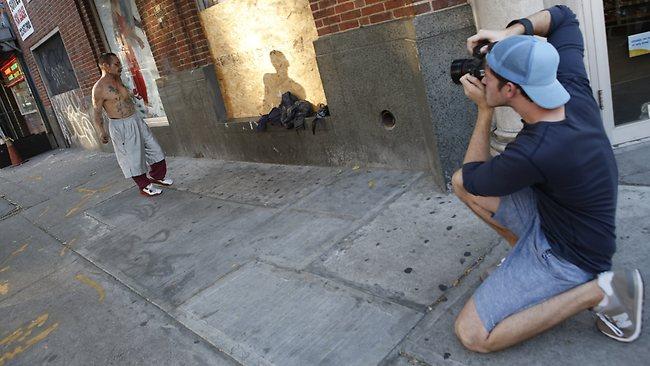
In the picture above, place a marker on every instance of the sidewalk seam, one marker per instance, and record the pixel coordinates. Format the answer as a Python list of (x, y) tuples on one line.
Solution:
[(136, 292)]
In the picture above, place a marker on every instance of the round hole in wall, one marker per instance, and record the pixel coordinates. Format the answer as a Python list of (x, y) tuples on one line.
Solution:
[(387, 119)]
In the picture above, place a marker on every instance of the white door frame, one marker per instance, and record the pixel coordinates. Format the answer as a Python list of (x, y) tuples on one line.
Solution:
[(598, 60)]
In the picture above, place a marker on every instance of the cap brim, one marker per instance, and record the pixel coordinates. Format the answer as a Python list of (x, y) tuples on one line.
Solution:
[(548, 96)]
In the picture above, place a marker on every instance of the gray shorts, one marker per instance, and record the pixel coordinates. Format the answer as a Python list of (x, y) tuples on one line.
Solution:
[(135, 146), (531, 273)]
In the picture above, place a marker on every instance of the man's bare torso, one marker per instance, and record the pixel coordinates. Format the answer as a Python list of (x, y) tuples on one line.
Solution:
[(114, 97)]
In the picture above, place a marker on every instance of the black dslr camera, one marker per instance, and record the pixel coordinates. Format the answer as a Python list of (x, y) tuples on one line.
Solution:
[(473, 66)]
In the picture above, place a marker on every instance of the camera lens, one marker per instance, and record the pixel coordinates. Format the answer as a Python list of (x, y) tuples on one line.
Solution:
[(458, 69), (464, 66), (473, 66)]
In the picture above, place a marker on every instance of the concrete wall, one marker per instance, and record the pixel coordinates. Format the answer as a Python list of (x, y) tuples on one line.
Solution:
[(242, 36), (400, 66), (368, 70), (198, 127), (194, 108), (441, 38)]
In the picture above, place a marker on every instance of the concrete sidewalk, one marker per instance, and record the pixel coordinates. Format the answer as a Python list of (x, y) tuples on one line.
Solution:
[(260, 264)]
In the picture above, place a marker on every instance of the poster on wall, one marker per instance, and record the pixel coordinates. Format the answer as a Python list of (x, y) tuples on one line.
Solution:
[(23, 24), (123, 27), (639, 44)]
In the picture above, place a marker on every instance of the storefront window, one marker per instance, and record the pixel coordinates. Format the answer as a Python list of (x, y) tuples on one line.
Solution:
[(123, 27), (24, 98), (628, 42), (13, 79)]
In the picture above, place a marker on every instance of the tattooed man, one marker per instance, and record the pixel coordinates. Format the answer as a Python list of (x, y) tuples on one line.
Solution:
[(135, 146)]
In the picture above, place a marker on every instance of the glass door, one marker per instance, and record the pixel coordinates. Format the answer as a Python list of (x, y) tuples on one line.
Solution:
[(627, 34)]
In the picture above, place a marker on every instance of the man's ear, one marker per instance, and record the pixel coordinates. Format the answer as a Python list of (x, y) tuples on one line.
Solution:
[(511, 90)]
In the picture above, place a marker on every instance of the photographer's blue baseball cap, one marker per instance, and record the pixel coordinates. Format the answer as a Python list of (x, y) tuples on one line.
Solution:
[(532, 64)]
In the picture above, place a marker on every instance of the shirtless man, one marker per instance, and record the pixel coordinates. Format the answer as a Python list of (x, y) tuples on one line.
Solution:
[(135, 146)]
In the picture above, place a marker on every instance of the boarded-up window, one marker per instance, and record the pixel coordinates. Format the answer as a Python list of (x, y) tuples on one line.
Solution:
[(55, 66)]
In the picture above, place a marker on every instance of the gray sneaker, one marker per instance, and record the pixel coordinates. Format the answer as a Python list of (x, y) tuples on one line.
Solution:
[(621, 318)]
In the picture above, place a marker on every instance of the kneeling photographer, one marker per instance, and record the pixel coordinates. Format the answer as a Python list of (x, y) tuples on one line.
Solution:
[(551, 194)]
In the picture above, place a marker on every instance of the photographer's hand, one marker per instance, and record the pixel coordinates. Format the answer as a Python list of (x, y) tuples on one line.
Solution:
[(541, 23), (479, 144), (475, 91), (486, 35)]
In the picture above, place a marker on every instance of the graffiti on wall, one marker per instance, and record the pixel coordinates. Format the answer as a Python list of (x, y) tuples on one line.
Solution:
[(75, 113)]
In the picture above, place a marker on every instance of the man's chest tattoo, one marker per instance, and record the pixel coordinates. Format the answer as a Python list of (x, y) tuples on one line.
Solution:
[(123, 105)]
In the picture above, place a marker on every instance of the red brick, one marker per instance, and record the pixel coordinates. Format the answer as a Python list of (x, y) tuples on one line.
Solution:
[(334, 28), (439, 4), (404, 12), (349, 25), (381, 17), (323, 31), (355, 14), (326, 3), (394, 4), (422, 8), (324, 13), (332, 20), (372, 9), (344, 7)]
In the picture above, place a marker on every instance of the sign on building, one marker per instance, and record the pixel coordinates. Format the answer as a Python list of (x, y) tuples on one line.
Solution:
[(11, 72), (639, 44), (23, 24)]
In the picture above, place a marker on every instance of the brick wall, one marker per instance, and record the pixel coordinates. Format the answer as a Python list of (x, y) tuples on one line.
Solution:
[(334, 16), (175, 34), (80, 36)]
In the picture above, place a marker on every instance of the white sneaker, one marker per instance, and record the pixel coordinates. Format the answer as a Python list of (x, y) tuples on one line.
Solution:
[(164, 182), (150, 190), (621, 317)]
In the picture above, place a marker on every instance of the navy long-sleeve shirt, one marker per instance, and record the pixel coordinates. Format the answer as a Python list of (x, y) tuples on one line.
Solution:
[(569, 164)]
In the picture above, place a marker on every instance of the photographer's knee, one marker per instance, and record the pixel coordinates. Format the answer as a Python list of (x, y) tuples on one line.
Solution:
[(457, 185), (469, 336)]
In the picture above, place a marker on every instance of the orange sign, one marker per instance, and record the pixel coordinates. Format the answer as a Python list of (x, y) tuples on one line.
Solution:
[(11, 72)]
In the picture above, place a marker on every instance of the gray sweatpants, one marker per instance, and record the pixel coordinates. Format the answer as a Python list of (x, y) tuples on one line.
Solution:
[(135, 146)]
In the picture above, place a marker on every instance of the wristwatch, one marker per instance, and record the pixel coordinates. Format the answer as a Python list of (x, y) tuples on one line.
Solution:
[(528, 26)]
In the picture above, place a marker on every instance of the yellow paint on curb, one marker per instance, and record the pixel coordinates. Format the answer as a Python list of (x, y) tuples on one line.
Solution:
[(19, 250), (21, 335), (93, 284), (88, 194)]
